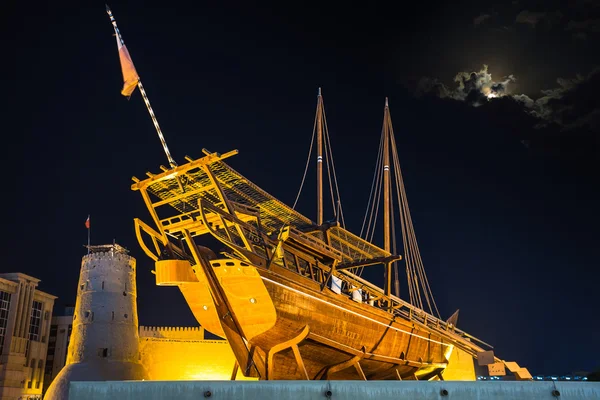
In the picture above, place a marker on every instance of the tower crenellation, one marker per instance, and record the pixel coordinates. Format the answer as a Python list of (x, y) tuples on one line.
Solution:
[(168, 332)]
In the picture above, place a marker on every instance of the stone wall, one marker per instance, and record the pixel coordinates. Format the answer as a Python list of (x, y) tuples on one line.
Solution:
[(183, 354)]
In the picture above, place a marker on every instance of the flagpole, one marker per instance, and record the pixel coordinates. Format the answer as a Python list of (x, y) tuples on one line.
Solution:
[(89, 229), (144, 95)]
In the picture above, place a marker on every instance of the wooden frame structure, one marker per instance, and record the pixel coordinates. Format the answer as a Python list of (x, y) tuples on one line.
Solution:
[(291, 264)]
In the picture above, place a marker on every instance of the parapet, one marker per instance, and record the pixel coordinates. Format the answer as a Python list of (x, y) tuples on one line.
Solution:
[(115, 248), (172, 332), (112, 252)]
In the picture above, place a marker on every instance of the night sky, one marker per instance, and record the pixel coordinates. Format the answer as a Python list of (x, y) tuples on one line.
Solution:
[(504, 191)]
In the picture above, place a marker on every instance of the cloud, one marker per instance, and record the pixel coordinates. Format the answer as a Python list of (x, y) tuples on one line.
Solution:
[(587, 25), (573, 104), (581, 29), (480, 19), (533, 18), (474, 88)]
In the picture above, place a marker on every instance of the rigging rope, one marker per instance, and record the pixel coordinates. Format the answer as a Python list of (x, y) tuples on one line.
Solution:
[(331, 174), (337, 189), (375, 179), (312, 140), (419, 267), (328, 167), (418, 283), (374, 198), (394, 250)]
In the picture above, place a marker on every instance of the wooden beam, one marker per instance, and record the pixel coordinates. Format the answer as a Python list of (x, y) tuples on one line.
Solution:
[(372, 261), (345, 364), (282, 346), (350, 245), (299, 361), (360, 372), (229, 322), (182, 195), (182, 169), (236, 366)]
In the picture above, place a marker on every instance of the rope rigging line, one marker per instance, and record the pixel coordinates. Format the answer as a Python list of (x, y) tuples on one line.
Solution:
[(329, 156), (419, 289), (370, 233), (328, 167), (414, 292), (407, 255), (335, 181), (374, 198), (312, 140), (394, 249), (375, 178), (377, 201), (419, 267), (411, 253)]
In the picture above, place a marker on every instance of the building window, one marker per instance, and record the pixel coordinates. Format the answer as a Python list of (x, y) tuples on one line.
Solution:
[(4, 304), (48, 369), (51, 348), (53, 331), (36, 321)]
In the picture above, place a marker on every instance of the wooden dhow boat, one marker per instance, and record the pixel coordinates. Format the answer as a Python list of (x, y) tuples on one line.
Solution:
[(286, 291)]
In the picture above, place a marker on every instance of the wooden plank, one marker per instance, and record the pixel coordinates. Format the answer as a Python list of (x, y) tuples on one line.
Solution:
[(182, 169)]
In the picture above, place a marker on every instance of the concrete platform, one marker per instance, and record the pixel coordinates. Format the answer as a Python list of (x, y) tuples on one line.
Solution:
[(309, 390)]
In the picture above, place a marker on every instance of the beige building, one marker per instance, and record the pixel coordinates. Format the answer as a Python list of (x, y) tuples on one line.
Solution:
[(25, 315), (58, 344)]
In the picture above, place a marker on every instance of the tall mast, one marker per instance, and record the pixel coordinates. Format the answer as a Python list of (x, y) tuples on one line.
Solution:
[(129, 69), (319, 158), (386, 196), (386, 178)]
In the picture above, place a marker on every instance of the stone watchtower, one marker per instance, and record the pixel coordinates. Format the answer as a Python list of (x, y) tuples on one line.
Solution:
[(104, 343)]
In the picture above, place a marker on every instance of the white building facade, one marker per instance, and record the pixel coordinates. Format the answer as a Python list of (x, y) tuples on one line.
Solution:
[(25, 316)]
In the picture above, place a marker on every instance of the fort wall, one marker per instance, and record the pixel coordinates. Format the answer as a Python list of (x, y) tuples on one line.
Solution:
[(184, 354)]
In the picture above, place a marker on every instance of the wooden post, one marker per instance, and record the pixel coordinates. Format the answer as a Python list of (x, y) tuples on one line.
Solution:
[(388, 280), (235, 370)]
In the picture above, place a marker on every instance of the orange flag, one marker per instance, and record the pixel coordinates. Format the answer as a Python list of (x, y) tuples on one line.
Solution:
[(87, 222), (130, 75)]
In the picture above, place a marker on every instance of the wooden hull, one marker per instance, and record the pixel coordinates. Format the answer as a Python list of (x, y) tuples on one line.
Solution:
[(337, 338)]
